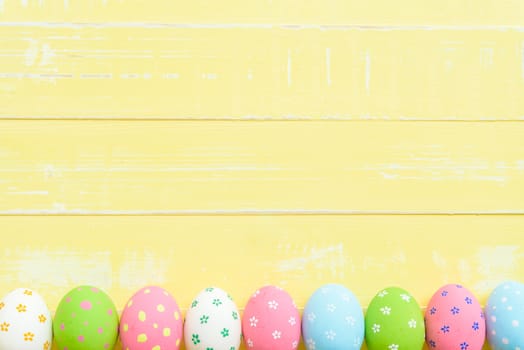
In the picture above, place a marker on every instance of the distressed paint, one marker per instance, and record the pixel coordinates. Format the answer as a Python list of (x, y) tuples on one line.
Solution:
[(261, 168), (265, 72)]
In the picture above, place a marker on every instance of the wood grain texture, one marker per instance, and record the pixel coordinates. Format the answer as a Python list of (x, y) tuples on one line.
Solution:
[(90, 167), (165, 72), (371, 12), (186, 254)]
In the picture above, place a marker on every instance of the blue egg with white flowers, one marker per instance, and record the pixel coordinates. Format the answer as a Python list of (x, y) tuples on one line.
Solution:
[(505, 316), (333, 320)]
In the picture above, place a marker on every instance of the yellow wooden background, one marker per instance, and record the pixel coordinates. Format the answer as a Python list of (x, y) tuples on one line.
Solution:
[(240, 143)]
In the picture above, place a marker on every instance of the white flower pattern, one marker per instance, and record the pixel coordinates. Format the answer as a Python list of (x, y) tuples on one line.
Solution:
[(311, 317), (250, 343), (405, 297), (276, 334), (412, 323), (253, 321), (272, 304), (330, 335), (292, 321), (331, 307), (393, 347), (311, 344), (376, 328), (383, 293), (386, 310)]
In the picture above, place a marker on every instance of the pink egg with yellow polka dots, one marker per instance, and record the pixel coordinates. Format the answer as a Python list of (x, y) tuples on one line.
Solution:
[(151, 320), (271, 320)]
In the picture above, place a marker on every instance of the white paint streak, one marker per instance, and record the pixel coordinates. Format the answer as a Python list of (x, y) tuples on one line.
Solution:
[(29, 193), (328, 66), (96, 76), (289, 67), (367, 71), (1, 6), (330, 258), (172, 76), (142, 268), (24, 3), (486, 57), (496, 264), (60, 269), (66, 4)]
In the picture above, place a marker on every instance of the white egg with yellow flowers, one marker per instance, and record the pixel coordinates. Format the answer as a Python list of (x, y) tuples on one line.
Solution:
[(25, 322)]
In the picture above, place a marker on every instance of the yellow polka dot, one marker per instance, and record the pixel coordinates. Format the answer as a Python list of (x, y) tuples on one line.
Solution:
[(177, 342), (130, 303), (142, 338), (126, 327), (147, 291), (177, 315), (156, 347), (155, 325), (160, 308), (142, 316), (166, 332)]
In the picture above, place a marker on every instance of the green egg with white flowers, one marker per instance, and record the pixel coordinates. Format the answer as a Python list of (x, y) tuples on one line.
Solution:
[(394, 321)]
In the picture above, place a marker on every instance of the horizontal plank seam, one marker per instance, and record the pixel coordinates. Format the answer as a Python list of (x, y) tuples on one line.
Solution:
[(254, 212), (262, 118), (324, 27)]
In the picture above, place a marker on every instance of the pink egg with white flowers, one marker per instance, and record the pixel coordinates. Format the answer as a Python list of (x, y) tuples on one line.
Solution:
[(151, 320), (454, 320), (271, 320)]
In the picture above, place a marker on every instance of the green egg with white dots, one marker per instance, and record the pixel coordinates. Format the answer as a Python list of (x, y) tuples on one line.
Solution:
[(394, 321), (86, 319)]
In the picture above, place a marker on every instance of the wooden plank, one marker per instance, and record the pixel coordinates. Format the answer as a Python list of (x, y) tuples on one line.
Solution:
[(300, 253), (70, 71), (139, 167), (371, 12)]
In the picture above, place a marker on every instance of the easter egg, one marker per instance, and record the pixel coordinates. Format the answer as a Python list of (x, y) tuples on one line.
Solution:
[(85, 319), (212, 322), (454, 320), (394, 321), (333, 319), (150, 320), (505, 316), (271, 320), (25, 321)]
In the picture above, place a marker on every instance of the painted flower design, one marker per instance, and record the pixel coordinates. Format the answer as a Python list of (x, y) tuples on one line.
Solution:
[(311, 345), (455, 310), (350, 320), (412, 323), (405, 297), (194, 303), (311, 317), (468, 300), (21, 308), (376, 328), (445, 329), (433, 311), (294, 345), (210, 289), (42, 318), (47, 345), (204, 319), (292, 321), (28, 336), (475, 326), (386, 310), (28, 292), (393, 347), (330, 335), (257, 293), (331, 307), (224, 332), (432, 343), (234, 314), (464, 346), (276, 334), (253, 321), (195, 338), (346, 297), (217, 302), (4, 327), (383, 293), (1, 305), (272, 304), (249, 343)]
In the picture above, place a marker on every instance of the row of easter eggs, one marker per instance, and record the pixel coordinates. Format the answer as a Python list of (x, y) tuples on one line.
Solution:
[(86, 319)]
